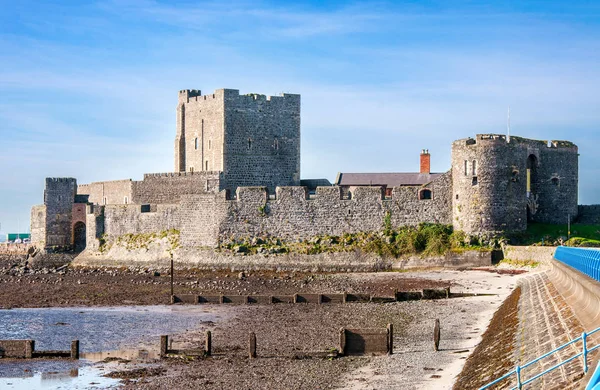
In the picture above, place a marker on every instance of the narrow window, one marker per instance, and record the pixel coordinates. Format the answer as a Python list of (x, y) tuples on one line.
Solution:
[(104, 201), (196, 143), (206, 166), (209, 145), (555, 181), (474, 181), (192, 169), (276, 144), (466, 168), (126, 200), (474, 168), (425, 194), (249, 143)]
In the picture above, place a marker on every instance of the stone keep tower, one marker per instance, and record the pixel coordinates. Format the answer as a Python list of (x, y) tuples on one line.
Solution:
[(500, 184), (253, 139)]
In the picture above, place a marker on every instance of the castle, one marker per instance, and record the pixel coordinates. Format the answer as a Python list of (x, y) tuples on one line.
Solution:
[(237, 175)]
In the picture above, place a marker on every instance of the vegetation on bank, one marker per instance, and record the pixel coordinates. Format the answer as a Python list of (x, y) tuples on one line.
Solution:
[(552, 235), (426, 239), (142, 240)]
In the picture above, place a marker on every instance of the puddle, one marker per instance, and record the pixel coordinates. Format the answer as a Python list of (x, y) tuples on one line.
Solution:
[(106, 334), (74, 378)]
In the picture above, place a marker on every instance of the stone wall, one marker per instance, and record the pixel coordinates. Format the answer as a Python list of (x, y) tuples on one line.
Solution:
[(170, 187), (38, 225), (293, 215), (125, 219), (541, 254), (14, 249), (589, 214), (59, 196), (107, 192), (490, 183)]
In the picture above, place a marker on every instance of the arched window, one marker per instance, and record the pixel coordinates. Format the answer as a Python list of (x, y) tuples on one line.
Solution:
[(474, 168), (196, 143), (249, 143), (466, 168), (104, 201), (425, 194)]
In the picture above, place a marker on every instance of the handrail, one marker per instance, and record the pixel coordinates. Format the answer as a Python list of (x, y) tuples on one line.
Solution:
[(585, 350), (584, 260)]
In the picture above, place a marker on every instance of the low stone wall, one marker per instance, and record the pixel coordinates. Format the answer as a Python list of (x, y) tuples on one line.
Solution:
[(157, 255), (589, 214), (465, 259), (14, 249), (541, 254)]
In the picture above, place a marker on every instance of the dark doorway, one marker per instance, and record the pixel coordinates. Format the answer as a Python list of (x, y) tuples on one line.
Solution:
[(79, 236)]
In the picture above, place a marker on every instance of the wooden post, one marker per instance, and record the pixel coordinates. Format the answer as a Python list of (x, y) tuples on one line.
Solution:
[(164, 342), (252, 346), (342, 342), (29, 348), (172, 294), (295, 298), (75, 349), (208, 344), (390, 329), (436, 335)]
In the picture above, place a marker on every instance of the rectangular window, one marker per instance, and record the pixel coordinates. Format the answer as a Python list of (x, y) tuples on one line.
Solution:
[(466, 168), (474, 168)]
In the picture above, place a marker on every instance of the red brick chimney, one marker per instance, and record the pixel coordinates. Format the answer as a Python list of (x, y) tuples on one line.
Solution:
[(425, 161)]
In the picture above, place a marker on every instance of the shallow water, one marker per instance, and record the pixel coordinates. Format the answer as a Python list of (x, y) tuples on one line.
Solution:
[(102, 332)]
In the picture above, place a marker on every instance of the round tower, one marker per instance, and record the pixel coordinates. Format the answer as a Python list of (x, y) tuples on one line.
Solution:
[(499, 185)]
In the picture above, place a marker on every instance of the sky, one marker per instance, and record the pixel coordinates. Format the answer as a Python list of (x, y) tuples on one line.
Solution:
[(89, 89)]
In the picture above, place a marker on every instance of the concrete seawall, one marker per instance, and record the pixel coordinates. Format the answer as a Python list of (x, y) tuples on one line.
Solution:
[(580, 291)]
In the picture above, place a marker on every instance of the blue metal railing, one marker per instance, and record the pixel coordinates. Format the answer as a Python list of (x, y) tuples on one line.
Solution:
[(517, 371), (594, 383), (584, 260)]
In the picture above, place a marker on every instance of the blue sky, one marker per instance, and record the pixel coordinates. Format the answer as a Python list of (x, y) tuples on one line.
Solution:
[(89, 89)]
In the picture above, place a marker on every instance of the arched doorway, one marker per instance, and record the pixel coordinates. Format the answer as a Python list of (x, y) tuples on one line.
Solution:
[(79, 236)]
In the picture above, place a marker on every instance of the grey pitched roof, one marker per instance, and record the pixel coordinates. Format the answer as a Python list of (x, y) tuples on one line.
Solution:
[(391, 179)]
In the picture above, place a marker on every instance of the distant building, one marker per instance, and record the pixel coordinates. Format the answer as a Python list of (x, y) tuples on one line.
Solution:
[(12, 237)]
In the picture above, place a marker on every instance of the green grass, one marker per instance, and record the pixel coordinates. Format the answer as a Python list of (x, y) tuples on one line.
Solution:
[(548, 234)]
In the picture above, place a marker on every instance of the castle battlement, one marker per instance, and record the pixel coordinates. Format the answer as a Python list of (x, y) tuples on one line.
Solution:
[(60, 180), (499, 139), (191, 96), (330, 193), (178, 174)]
